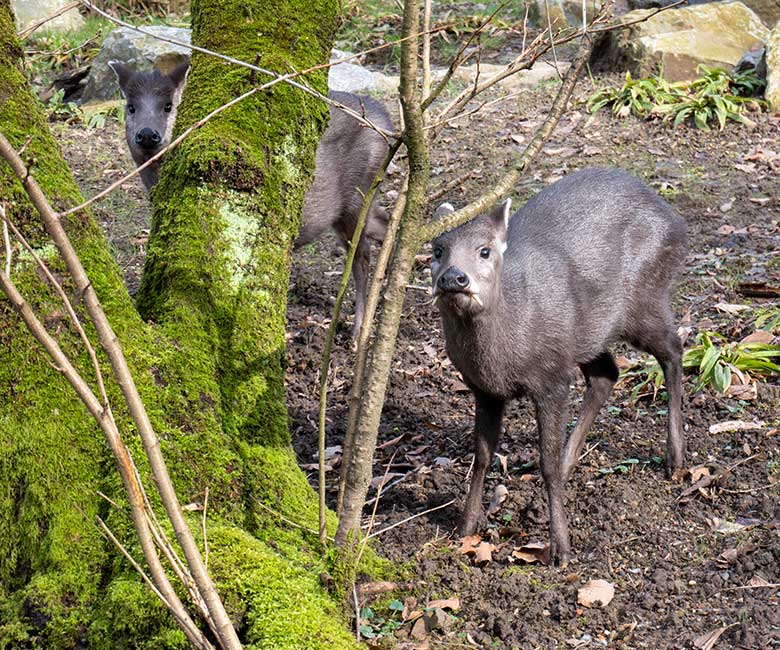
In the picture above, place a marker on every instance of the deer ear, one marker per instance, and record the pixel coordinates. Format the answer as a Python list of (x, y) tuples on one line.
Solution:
[(179, 74), (443, 210), (123, 73), (499, 215)]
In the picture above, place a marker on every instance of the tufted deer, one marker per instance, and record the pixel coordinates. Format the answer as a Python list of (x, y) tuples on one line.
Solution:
[(588, 261)]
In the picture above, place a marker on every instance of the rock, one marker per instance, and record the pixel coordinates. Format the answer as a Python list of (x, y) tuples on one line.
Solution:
[(541, 71), (766, 10), (754, 60), (132, 47), (349, 77), (31, 11), (678, 40), (773, 70), (561, 13)]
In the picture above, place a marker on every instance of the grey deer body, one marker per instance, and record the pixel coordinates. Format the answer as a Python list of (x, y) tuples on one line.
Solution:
[(587, 262), (348, 157)]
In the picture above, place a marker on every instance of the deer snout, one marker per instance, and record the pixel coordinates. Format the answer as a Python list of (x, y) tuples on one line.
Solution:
[(453, 279), (147, 138)]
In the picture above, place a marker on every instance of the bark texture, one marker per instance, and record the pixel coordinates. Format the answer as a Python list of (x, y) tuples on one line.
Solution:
[(207, 353)]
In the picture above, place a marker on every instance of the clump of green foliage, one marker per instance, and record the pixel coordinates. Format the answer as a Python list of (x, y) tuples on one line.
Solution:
[(716, 360), (715, 95)]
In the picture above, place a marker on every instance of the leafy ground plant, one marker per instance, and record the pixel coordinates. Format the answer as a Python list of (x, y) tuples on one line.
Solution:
[(719, 362), (716, 95)]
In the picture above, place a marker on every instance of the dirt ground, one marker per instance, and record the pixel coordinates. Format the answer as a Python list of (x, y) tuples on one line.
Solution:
[(683, 563)]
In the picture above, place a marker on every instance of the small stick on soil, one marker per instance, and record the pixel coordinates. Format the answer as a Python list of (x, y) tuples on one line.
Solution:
[(403, 521), (588, 450), (357, 612), (394, 483), (752, 490)]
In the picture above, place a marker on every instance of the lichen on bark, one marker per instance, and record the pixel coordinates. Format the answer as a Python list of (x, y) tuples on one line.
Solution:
[(209, 365)]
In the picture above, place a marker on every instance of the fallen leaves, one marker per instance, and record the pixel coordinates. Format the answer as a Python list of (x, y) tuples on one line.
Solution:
[(735, 425), (707, 641), (533, 552), (595, 593)]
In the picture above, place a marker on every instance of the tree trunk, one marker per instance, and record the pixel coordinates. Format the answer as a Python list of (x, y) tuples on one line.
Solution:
[(207, 353)]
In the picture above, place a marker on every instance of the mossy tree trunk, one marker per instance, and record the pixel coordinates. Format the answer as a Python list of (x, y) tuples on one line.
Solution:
[(207, 351)]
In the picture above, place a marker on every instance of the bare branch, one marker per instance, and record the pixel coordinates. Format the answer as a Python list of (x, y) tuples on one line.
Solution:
[(106, 422), (408, 519), (507, 181), (7, 241), (361, 220), (27, 31), (109, 342)]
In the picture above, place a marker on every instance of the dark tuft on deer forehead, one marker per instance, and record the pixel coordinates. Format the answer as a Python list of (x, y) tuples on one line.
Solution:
[(478, 228), (151, 82)]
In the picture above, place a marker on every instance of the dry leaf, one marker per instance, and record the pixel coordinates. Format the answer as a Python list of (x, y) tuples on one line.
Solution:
[(698, 472), (484, 553), (469, 543), (759, 336), (728, 308), (446, 603), (726, 229), (735, 425), (499, 496), (533, 552), (749, 392), (758, 581), (707, 641), (595, 593)]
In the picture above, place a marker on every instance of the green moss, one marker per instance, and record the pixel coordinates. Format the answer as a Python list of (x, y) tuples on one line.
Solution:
[(210, 367)]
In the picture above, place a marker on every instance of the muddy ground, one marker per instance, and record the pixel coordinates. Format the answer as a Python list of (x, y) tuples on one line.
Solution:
[(681, 568)]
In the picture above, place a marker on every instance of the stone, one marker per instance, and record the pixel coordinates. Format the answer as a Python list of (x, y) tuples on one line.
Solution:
[(142, 50), (541, 71), (28, 12), (561, 13), (349, 77), (766, 10), (677, 41), (773, 70)]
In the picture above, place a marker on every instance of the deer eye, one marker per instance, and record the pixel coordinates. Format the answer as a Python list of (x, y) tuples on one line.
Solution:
[(484, 252), (168, 107), (130, 108), (437, 253)]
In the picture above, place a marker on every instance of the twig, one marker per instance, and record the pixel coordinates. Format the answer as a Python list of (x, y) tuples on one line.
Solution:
[(426, 52), (108, 425), (357, 611), (769, 486), (25, 33), (445, 188), (68, 307), (331, 334), (385, 488), (358, 377), (109, 342), (7, 241), (408, 519), (372, 519), (203, 528), (287, 78), (588, 451), (106, 532), (434, 228), (288, 521), (768, 585)]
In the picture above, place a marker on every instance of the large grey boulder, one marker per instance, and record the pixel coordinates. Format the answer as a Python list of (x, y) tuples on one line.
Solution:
[(560, 13), (31, 11), (349, 77), (676, 41), (773, 70), (141, 50)]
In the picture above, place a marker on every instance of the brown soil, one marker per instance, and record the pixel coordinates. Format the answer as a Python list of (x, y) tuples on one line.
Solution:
[(629, 528)]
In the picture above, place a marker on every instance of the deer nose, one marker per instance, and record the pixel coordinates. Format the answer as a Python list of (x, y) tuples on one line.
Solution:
[(453, 279), (147, 138)]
